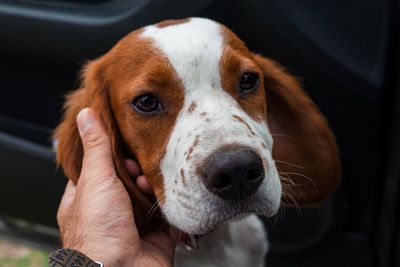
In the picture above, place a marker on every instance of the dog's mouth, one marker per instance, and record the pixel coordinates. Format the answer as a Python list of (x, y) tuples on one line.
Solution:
[(200, 212), (190, 241), (213, 219)]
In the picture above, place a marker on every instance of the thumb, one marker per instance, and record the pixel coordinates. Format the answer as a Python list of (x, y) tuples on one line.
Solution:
[(97, 159)]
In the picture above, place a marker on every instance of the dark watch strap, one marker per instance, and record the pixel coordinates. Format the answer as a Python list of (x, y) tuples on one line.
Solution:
[(71, 258)]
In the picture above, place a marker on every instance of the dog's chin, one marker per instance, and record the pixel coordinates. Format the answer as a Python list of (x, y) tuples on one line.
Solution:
[(207, 227), (210, 214)]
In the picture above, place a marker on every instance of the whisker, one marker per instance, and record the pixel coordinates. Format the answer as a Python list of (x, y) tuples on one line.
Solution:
[(288, 163), (285, 178), (286, 196), (153, 208), (302, 175)]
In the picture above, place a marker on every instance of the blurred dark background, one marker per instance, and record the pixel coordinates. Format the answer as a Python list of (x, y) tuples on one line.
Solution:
[(346, 53)]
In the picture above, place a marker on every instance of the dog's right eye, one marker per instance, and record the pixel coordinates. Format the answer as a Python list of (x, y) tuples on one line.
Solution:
[(146, 103), (248, 82)]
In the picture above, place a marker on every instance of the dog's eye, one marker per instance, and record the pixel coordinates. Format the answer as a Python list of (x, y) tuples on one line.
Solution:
[(146, 103), (248, 82)]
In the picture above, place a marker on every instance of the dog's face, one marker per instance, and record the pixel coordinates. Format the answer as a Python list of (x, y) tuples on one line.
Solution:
[(195, 118), (188, 100)]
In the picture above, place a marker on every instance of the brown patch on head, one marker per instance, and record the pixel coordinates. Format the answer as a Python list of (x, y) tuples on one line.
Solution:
[(236, 60), (171, 22), (183, 176), (192, 107), (241, 120), (109, 86), (139, 70)]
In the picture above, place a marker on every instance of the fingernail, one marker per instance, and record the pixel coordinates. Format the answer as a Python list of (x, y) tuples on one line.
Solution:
[(84, 120)]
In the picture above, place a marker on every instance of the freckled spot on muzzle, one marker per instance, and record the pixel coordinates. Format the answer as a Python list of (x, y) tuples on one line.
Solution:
[(192, 107), (191, 149), (241, 120)]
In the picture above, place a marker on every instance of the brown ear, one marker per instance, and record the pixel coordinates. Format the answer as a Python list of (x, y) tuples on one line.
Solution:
[(304, 148), (94, 93)]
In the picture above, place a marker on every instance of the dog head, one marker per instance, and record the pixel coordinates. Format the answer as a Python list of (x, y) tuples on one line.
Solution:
[(217, 130)]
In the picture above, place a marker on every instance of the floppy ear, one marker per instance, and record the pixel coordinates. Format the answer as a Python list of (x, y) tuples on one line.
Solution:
[(304, 147), (94, 93)]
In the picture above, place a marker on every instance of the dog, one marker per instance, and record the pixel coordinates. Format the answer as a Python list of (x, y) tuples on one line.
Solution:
[(222, 135)]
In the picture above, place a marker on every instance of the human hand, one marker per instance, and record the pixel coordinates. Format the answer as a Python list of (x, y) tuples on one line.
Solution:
[(96, 215)]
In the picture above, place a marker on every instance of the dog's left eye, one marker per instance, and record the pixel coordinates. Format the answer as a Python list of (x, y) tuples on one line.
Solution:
[(146, 103), (248, 82)]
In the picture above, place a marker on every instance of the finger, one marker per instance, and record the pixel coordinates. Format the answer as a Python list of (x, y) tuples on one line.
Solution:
[(141, 180), (66, 201), (97, 159), (143, 185), (133, 168)]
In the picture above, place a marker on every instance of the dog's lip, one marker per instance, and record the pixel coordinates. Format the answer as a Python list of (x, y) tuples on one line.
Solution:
[(218, 216), (184, 237), (208, 229)]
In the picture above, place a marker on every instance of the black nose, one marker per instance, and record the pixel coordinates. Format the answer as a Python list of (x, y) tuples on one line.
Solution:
[(234, 173)]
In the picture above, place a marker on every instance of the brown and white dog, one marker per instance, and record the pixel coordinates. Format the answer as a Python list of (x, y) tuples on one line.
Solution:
[(217, 130)]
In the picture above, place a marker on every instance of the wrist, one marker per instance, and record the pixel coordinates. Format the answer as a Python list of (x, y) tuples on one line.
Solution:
[(71, 258), (104, 254), (100, 249)]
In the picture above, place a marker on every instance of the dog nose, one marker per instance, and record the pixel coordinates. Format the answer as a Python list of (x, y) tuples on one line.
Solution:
[(234, 173)]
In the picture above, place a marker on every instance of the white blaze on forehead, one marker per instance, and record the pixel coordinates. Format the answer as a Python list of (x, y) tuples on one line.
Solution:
[(191, 46)]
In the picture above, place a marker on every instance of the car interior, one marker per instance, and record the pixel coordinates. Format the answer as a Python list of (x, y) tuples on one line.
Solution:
[(346, 55)]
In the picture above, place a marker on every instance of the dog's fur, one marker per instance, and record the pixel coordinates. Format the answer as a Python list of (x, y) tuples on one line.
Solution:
[(193, 66)]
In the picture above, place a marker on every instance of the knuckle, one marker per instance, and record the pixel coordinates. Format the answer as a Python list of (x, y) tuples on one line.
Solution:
[(110, 181), (114, 181), (92, 139), (97, 178)]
